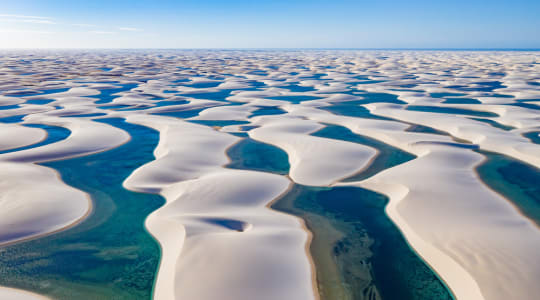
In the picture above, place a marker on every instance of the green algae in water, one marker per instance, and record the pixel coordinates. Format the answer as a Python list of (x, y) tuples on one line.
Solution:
[(110, 255), (373, 258)]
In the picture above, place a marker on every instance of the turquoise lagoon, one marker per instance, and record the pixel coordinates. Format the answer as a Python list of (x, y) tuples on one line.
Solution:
[(109, 255)]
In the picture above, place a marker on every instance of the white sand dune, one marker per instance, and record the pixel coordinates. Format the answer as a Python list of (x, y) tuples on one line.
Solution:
[(185, 151), (314, 160), (261, 251), (15, 136), (25, 109), (236, 113), (208, 207), (486, 136), (476, 240), (5, 100), (192, 105), (86, 137), (50, 205)]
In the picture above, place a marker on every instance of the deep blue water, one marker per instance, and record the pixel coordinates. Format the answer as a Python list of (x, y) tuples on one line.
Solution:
[(107, 95), (526, 105), (444, 95), (461, 101), (39, 101), (203, 85), (13, 119), (170, 102), (4, 107), (298, 88), (533, 136), (267, 110)]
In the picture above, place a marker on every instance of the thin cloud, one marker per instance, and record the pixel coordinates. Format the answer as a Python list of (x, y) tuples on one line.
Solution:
[(36, 21), (25, 31), (84, 25), (101, 32), (129, 29), (26, 19), (22, 16)]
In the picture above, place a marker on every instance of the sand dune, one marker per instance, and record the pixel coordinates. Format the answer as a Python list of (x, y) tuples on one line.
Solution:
[(480, 245), (209, 208), (218, 237), (16, 136), (314, 160), (49, 205)]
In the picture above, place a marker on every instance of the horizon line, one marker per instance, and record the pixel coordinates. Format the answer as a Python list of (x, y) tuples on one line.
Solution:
[(284, 48)]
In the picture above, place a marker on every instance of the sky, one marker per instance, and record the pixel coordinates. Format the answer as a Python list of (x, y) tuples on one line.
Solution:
[(270, 24)]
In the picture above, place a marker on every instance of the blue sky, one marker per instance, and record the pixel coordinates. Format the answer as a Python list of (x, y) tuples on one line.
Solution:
[(270, 24)]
